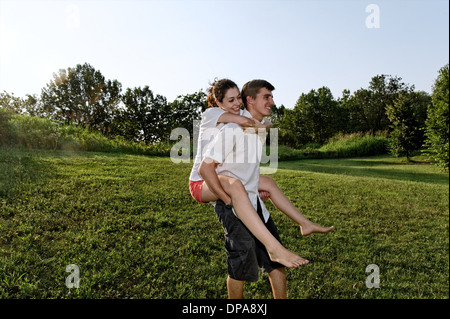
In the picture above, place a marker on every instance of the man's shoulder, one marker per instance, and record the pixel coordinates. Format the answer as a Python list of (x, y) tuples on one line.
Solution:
[(246, 113)]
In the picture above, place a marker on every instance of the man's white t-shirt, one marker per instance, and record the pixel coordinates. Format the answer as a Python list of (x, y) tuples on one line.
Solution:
[(238, 153)]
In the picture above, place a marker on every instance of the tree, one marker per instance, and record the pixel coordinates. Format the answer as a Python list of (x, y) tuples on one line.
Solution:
[(145, 117), (30, 104), (292, 131), (11, 102), (407, 117), (185, 109), (437, 124), (81, 96), (359, 105), (346, 122), (317, 112), (367, 107), (316, 117), (276, 115)]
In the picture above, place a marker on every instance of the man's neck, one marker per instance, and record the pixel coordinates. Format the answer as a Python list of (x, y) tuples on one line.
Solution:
[(256, 115)]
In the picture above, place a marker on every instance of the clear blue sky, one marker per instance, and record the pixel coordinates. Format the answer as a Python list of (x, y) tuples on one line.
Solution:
[(178, 46)]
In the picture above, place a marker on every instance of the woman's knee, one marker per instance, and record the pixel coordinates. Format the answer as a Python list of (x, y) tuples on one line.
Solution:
[(266, 183), (233, 186)]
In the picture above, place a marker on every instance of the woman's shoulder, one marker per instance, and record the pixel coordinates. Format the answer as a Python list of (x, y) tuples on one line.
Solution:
[(213, 110), (212, 113)]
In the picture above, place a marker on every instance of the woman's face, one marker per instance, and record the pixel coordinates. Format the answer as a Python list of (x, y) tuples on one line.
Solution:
[(232, 101)]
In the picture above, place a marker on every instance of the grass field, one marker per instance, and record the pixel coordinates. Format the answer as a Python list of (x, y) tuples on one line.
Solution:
[(132, 228)]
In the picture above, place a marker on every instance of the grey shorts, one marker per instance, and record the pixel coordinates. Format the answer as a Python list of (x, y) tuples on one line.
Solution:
[(245, 253)]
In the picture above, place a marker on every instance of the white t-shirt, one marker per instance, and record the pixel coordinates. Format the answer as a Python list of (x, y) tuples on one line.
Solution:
[(209, 128), (238, 153)]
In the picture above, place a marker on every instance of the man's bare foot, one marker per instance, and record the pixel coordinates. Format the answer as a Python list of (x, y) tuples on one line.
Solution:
[(314, 228), (287, 258)]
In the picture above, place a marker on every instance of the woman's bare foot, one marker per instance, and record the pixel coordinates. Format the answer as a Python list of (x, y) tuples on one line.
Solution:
[(314, 228), (287, 258)]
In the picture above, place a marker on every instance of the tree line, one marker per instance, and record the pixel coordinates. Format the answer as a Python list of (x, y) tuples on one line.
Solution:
[(317, 115), (412, 119), (82, 96)]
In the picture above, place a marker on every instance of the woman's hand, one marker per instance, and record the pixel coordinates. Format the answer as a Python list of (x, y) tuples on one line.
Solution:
[(254, 126), (264, 195)]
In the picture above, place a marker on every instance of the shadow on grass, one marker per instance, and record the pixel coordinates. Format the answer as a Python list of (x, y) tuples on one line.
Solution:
[(373, 167)]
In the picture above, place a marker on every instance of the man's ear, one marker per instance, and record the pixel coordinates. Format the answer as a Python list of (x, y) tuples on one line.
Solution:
[(249, 100)]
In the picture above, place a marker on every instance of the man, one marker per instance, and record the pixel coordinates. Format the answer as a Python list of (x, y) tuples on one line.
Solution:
[(237, 154)]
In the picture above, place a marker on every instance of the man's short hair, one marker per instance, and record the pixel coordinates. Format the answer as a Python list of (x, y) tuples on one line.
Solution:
[(251, 88)]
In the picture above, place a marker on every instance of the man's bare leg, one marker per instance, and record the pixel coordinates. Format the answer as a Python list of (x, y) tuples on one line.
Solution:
[(277, 278), (249, 217), (235, 288), (283, 203)]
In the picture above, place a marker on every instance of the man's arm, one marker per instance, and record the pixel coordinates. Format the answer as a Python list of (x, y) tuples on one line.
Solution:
[(208, 172)]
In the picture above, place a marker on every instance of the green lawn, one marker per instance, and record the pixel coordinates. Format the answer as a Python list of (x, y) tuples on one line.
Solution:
[(132, 228)]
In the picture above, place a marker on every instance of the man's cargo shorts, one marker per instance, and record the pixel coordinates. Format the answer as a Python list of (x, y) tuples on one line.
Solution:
[(244, 252)]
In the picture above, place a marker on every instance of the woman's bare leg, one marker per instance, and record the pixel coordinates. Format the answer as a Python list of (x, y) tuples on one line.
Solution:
[(249, 217), (283, 203)]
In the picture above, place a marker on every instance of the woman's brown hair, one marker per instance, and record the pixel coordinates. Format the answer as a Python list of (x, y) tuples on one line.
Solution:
[(218, 90)]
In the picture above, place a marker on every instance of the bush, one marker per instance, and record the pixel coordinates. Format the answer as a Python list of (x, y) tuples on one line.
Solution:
[(39, 133), (34, 132), (339, 146), (5, 131), (356, 144)]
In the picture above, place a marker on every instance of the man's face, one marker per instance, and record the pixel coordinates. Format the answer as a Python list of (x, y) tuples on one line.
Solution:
[(263, 102)]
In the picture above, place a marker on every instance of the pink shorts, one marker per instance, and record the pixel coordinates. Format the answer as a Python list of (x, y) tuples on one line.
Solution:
[(195, 187)]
